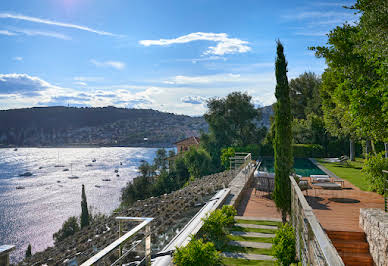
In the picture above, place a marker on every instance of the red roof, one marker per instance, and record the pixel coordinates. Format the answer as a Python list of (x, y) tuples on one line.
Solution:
[(191, 140)]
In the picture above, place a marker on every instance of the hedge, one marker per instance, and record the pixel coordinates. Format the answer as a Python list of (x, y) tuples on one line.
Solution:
[(308, 150)]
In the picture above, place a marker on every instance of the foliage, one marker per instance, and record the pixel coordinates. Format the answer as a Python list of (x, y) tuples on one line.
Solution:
[(283, 247), (139, 188), (304, 95), (283, 136), (28, 251), (160, 160), (197, 253), (215, 226), (84, 209), (254, 149), (307, 150), (354, 84), (146, 169), (373, 167), (69, 227), (232, 122), (226, 153), (198, 162)]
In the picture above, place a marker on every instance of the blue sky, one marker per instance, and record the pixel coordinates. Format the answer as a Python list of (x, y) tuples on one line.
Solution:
[(166, 55)]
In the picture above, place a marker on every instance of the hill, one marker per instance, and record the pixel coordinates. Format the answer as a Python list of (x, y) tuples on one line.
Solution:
[(106, 126)]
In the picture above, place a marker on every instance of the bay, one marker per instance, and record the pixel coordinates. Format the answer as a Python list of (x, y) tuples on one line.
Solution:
[(34, 207)]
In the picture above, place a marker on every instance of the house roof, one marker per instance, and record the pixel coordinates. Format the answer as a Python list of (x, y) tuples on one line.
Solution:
[(189, 141)]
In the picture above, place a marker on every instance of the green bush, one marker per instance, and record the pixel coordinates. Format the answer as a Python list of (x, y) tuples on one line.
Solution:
[(308, 150), (69, 227), (254, 149), (198, 162), (215, 226), (373, 167), (226, 153), (197, 253), (283, 245)]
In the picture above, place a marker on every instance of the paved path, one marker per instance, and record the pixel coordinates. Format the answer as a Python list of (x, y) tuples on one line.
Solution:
[(249, 244), (257, 226), (250, 234)]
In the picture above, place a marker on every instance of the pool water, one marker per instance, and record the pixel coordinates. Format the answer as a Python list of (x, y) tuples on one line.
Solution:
[(303, 167)]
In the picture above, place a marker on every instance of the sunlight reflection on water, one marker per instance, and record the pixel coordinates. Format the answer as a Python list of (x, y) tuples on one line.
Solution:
[(32, 213)]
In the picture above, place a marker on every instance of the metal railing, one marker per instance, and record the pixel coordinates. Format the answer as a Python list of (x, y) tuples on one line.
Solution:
[(313, 246), (239, 160), (118, 245), (191, 228), (4, 254)]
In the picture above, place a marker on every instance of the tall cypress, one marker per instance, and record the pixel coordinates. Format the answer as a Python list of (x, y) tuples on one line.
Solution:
[(84, 209), (283, 136)]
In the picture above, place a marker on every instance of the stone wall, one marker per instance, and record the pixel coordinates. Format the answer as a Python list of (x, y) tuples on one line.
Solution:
[(375, 225)]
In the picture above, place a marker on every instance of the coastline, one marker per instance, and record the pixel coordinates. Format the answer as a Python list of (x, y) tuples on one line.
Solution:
[(138, 145)]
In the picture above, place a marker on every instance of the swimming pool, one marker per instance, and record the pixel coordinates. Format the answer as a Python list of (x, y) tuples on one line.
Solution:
[(303, 167)]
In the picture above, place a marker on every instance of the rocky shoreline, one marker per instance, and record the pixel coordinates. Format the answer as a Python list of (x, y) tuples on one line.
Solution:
[(170, 212)]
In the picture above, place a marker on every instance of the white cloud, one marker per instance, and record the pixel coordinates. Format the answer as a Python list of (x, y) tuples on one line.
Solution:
[(30, 32), (52, 22), (18, 58), (7, 32), (181, 80), (22, 90), (115, 64), (225, 45), (81, 83)]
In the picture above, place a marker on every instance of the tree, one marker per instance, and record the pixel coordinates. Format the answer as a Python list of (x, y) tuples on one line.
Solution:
[(69, 227), (304, 95), (357, 61), (198, 162), (84, 209), (283, 136), (145, 169), (160, 161), (28, 251), (226, 153)]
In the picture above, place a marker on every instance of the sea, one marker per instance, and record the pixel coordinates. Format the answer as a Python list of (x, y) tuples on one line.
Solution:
[(33, 207)]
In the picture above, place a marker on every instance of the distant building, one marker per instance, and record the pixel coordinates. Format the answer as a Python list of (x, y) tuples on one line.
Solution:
[(185, 144)]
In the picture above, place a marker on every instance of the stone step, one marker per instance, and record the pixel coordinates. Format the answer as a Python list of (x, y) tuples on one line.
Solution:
[(249, 244), (257, 226), (251, 234), (248, 256), (250, 218)]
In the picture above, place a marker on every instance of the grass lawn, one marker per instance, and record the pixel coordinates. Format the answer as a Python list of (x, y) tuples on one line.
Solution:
[(255, 230), (231, 261), (240, 221), (238, 249), (350, 172), (251, 239)]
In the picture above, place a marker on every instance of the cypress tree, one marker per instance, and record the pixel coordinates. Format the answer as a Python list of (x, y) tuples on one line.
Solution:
[(28, 251), (84, 209), (283, 136)]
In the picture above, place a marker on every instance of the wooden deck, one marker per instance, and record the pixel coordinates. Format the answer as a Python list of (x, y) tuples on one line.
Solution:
[(257, 204), (339, 210)]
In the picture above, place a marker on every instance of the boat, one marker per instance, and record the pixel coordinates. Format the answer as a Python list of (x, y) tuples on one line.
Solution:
[(116, 170), (98, 186), (89, 165), (65, 170), (20, 187), (15, 149), (73, 177), (106, 179), (40, 167), (26, 174), (94, 160), (117, 175)]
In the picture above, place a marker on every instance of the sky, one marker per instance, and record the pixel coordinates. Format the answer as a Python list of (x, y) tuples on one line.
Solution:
[(169, 55)]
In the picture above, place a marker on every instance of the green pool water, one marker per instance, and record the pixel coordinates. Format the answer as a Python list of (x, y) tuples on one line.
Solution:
[(303, 167)]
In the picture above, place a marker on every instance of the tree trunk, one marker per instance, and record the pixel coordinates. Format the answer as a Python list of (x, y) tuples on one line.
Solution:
[(284, 217), (352, 151), (373, 147), (368, 147), (386, 150)]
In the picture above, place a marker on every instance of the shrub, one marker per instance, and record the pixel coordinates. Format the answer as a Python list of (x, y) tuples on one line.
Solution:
[(226, 153), (69, 227), (372, 169), (283, 247), (197, 253), (214, 228), (198, 162), (308, 150)]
